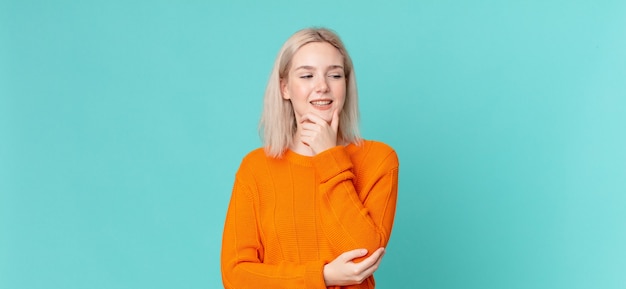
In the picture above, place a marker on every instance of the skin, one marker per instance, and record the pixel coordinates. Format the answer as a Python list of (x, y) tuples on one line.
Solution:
[(316, 87), (316, 74)]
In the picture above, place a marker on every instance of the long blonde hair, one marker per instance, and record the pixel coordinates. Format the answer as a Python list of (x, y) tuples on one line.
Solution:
[(278, 122)]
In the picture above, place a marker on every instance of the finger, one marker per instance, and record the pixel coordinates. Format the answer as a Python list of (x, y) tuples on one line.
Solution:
[(371, 260), (334, 122), (305, 118), (310, 126), (377, 254), (380, 252), (369, 270), (306, 136), (313, 118), (309, 132), (350, 255)]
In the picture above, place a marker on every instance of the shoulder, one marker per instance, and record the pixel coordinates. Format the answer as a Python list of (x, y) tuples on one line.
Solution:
[(378, 146), (374, 151), (252, 160), (254, 156)]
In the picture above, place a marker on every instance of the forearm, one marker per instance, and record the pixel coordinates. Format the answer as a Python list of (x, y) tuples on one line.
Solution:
[(244, 275), (352, 219)]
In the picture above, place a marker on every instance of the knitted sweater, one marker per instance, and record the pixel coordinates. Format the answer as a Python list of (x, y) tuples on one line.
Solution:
[(290, 216)]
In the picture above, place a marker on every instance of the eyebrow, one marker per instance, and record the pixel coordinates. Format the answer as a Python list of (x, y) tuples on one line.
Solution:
[(308, 67)]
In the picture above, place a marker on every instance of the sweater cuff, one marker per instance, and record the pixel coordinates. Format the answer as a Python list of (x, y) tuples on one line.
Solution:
[(332, 162), (314, 276)]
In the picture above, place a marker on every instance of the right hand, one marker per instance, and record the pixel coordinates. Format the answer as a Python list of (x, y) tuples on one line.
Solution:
[(318, 134), (344, 271)]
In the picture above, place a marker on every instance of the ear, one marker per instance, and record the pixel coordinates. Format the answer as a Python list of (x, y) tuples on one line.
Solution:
[(284, 92)]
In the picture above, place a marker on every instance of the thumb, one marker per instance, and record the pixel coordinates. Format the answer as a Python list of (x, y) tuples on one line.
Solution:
[(351, 255), (334, 122)]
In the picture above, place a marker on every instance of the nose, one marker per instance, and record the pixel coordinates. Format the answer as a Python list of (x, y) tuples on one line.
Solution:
[(322, 85)]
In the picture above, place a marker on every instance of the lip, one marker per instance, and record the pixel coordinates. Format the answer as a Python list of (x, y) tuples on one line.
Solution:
[(322, 103)]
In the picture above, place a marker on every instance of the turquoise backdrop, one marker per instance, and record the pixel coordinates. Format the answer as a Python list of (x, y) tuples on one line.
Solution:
[(122, 124)]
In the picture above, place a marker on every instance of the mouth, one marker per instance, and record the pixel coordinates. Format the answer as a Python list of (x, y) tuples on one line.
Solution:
[(321, 103)]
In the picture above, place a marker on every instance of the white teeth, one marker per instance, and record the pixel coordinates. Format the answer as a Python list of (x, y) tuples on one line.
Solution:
[(321, 102)]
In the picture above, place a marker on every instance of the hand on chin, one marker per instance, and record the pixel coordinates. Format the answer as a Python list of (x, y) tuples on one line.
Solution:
[(318, 134)]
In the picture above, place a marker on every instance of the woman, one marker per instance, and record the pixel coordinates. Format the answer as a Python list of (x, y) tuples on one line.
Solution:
[(314, 208)]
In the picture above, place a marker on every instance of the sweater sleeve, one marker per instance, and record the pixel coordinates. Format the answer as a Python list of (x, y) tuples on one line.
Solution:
[(354, 219), (242, 252)]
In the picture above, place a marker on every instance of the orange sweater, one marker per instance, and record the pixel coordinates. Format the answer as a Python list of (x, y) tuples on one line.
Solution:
[(289, 217)]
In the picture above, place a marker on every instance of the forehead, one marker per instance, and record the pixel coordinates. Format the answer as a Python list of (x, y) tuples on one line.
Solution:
[(317, 54)]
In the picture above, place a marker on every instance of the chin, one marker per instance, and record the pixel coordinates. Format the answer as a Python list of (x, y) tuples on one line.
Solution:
[(328, 117)]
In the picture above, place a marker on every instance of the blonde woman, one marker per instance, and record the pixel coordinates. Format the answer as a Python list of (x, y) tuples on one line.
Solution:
[(314, 208)]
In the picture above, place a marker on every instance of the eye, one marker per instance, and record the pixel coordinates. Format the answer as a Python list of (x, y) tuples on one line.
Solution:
[(306, 76), (336, 76)]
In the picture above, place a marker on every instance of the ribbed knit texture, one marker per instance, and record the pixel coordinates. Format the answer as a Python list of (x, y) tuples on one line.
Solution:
[(289, 217)]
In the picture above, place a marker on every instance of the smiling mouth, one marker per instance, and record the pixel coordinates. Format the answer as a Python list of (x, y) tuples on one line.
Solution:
[(322, 102)]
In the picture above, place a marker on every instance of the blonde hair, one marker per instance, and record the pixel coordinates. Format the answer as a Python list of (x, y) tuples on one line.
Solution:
[(278, 122)]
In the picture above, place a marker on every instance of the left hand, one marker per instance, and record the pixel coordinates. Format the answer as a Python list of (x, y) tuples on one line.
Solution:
[(344, 271), (317, 134)]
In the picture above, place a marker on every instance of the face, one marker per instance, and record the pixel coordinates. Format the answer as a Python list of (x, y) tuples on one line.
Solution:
[(316, 82)]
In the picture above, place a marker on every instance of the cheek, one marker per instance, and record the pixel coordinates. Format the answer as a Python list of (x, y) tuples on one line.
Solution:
[(340, 93), (300, 91)]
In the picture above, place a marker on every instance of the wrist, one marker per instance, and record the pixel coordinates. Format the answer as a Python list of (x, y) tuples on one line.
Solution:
[(326, 272)]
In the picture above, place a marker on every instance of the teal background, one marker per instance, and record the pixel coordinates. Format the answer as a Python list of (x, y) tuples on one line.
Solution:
[(122, 124)]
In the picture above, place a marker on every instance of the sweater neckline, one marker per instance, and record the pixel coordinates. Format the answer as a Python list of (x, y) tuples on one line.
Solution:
[(299, 159), (307, 161)]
